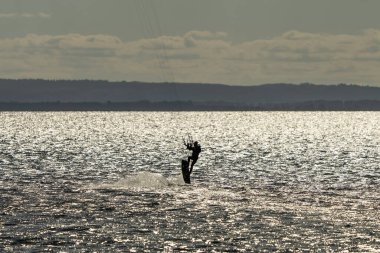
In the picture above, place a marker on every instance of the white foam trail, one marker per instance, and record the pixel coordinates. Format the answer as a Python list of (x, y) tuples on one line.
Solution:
[(145, 180), (177, 180)]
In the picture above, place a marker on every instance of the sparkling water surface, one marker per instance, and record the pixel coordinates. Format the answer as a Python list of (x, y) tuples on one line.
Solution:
[(264, 182)]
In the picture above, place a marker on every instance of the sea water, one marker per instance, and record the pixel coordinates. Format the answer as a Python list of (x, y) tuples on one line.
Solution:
[(264, 182)]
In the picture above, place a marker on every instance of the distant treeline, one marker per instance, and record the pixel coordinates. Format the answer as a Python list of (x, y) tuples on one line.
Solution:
[(89, 95), (79, 91), (361, 105)]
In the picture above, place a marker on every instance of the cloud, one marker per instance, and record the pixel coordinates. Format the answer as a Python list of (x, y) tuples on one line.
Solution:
[(205, 35), (197, 56), (25, 15)]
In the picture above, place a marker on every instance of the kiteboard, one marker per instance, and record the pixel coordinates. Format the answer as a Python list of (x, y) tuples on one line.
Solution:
[(185, 171)]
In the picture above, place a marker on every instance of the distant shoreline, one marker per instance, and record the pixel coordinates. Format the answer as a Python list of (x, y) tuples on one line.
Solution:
[(87, 95), (365, 105)]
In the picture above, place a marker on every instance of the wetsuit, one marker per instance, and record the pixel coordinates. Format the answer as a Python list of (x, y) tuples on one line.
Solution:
[(194, 156)]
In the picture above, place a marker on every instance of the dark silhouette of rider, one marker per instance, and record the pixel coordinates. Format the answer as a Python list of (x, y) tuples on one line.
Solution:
[(196, 148)]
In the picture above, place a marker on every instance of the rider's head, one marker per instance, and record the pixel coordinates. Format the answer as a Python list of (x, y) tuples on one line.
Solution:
[(195, 143)]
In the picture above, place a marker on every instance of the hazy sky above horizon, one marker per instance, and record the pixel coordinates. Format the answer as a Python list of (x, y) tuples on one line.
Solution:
[(208, 41)]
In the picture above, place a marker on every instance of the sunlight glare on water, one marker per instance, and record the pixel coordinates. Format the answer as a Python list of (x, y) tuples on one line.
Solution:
[(265, 181)]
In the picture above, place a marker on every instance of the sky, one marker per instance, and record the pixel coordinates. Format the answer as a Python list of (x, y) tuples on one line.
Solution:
[(236, 42)]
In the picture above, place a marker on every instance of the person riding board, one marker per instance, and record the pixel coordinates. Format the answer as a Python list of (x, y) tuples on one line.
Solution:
[(196, 148)]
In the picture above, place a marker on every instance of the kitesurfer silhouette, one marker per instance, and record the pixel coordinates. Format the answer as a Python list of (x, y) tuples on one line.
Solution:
[(196, 148)]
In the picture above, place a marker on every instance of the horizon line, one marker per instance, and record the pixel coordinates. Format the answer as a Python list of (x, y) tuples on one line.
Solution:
[(185, 83)]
